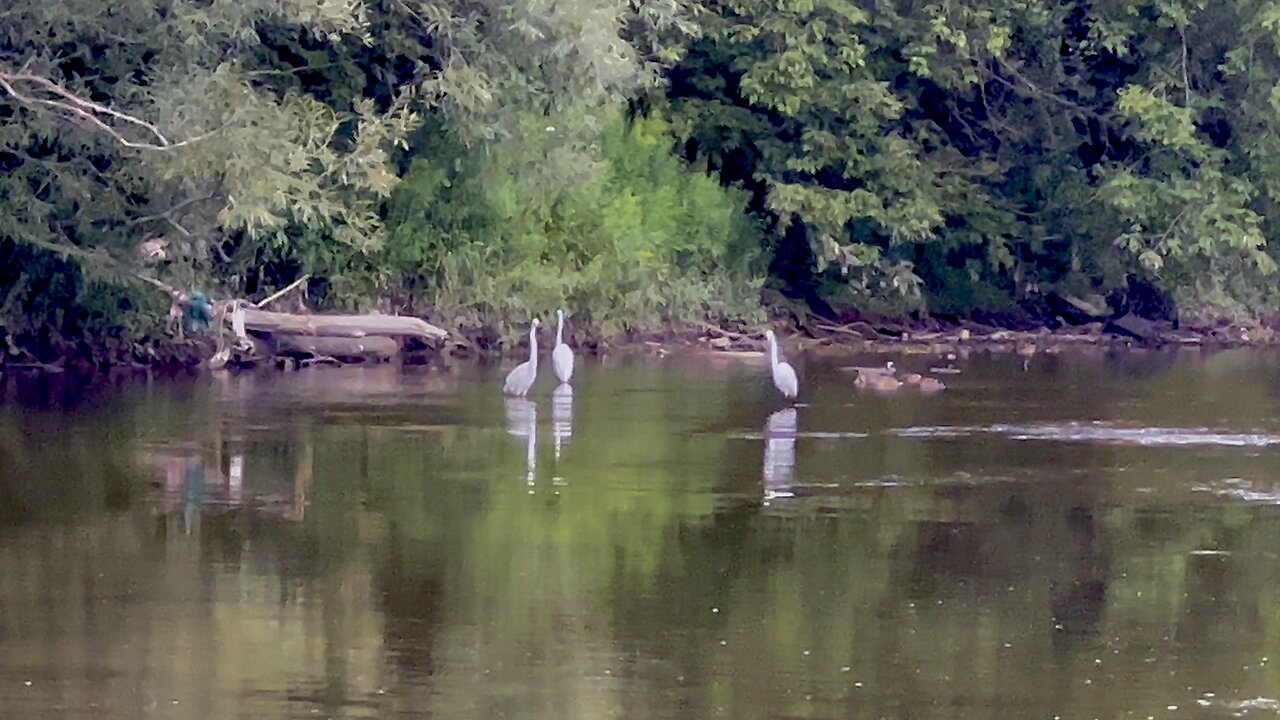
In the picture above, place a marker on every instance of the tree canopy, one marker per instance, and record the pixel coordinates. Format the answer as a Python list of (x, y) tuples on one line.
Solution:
[(947, 158), (984, 155)]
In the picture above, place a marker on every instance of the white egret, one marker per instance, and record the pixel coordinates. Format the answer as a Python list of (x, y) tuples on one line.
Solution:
[(521, 379), (784, 376), (561, 354)]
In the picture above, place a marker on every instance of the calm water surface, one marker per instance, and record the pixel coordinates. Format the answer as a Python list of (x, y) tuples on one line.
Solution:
[(1085, 536)]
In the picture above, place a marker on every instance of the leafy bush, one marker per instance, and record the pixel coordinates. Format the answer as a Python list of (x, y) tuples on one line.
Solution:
[(614, 227), (1002, 149)]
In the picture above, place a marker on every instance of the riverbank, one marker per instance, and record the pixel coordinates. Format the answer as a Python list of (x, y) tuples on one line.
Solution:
[(162, 351), (56, 354), (932, 337)]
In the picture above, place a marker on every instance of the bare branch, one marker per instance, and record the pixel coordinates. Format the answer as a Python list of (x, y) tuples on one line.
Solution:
[(1186, 78), (168, 213), (281, 293), (87, 111), (289, 71), (86, 105), (92, 257), (185, 232), (1035, 91), (101, 259), (173, 292), (62, 107)]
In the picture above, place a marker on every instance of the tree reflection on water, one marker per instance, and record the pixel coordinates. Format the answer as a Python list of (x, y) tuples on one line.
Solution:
[(353, 544)]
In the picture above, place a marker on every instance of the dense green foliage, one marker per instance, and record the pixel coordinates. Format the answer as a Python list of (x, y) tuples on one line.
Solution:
[(939, 157), (244, 139), (980, 157), (636, 242)]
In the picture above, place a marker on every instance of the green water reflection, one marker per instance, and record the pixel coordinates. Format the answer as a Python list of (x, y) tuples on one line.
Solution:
[(1085, 536)]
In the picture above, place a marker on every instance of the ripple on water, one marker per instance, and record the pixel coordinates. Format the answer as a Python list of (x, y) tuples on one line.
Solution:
[(1098, 432), (805, 435), (1240, 708), (1240, 489)]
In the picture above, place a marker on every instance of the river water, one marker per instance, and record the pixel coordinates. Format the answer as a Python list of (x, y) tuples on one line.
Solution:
[(1074, 536)]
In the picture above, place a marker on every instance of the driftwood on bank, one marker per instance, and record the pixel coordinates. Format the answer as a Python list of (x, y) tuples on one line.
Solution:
[(294, 339), (302, 339), (376, 348), (343, 326)]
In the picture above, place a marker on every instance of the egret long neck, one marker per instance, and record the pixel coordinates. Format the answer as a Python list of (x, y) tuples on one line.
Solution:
[(560, 329), (533, 345), (773, 352)]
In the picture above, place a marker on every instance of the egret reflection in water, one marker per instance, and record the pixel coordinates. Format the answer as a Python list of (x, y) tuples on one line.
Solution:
[(779, 454), (1090, 539), (235, 478), (522, 422), (561, 416)]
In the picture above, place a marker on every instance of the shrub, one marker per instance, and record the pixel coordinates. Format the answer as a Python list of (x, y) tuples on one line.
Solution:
[(615, 228)]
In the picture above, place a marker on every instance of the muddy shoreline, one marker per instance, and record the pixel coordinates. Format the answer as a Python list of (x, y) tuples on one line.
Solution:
[(934, 338), (162, 352)]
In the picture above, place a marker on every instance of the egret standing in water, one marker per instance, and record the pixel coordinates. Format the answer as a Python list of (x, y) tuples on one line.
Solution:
[(521, 379), (784, 376), (561, 355)]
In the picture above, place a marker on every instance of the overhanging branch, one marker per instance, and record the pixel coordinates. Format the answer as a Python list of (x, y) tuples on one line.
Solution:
[(40, 92)]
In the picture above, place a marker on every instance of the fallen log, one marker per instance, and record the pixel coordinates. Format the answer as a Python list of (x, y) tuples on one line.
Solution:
[(342, 326), (369, 348), (1133, 326)]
